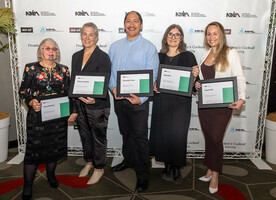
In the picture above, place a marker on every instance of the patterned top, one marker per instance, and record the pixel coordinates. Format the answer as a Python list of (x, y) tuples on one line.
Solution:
[(38, 82)]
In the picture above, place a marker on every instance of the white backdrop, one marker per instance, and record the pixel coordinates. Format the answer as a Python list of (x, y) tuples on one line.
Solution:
[(246, 23)]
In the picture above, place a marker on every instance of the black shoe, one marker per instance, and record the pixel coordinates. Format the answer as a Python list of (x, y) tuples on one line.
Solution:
[(119, 167), (167, 171), (54, 184), (142, 185), (177, 176), (26, 197)]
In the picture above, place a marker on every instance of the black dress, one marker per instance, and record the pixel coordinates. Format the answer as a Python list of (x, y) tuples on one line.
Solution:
[(171, 118), (45, 142)]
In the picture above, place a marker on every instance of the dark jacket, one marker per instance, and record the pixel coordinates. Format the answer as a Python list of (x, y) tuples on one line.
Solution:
[(98, 62)]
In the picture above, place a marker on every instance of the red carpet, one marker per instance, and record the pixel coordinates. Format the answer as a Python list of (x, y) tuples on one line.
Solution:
[(229, 192), (73, 181), (42, 167), (8, 186)]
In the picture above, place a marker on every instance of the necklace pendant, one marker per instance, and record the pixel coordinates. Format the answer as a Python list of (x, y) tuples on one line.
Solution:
[(48, 87)]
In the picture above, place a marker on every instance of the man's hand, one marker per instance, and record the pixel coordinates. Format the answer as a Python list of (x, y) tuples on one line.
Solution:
[(133, 99), (114, 91)]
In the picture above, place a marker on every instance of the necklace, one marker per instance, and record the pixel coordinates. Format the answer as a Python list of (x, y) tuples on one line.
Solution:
[(171, 58), (213, 56), (48, 87)]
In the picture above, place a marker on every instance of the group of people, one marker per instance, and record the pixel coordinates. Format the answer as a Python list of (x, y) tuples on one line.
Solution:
[(47, 143)]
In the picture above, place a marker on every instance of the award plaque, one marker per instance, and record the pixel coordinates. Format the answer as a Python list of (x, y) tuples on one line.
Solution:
[(54, 108), (175, 80), (219, 92), (89, 84), (137, 82)]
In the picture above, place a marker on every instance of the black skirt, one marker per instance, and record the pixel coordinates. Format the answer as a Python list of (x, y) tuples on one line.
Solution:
[(169, 128), (45, 143)]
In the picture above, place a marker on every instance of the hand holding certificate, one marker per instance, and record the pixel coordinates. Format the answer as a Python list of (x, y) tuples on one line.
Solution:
[(175, 80), (218, 92), (54, 108)]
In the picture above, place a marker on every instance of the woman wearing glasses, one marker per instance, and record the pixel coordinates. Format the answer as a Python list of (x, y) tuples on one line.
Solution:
[(46, 143), (171, 113), (94, 112)]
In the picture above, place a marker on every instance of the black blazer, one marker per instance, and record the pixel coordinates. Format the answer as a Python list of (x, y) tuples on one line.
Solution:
[(98, 62)]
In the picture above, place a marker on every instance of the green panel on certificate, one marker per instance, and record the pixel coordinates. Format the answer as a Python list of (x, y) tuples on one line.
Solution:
[(64, 109), (184, 84), (98, 87), (228, 95), (144, 86)]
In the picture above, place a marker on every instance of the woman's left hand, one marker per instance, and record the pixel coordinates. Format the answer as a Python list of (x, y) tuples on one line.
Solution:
[(195, 71), (87, 100), (155, 88), (237, 105), (73, 117)]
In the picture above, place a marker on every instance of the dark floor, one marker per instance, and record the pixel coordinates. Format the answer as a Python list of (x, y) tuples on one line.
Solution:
[(240, 180)]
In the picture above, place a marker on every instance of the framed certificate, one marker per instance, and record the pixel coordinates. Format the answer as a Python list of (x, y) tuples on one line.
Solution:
[(89, 84), (138, 82), (54, 108), (175, 80), (219, 92)]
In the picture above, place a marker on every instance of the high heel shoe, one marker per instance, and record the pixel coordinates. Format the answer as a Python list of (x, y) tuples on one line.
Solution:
[(213, 190), (204, 179), (84, 172), (97, 174)]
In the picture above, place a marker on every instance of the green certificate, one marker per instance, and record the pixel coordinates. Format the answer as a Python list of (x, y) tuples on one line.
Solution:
[(137, 82), (175, 80)]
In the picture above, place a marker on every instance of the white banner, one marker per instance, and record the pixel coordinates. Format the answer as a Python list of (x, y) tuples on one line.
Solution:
[(246, 23)]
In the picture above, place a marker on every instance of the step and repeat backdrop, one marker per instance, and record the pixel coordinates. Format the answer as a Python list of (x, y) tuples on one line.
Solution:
[(246, 23)]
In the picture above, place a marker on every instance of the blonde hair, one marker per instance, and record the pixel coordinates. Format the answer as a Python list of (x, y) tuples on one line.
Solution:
[(39, 50), (222, 48)]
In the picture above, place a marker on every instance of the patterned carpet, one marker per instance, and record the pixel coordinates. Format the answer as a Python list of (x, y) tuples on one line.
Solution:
[(240, 180)]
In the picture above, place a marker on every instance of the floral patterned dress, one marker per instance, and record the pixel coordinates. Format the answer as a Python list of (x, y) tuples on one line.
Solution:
[(45, 142)]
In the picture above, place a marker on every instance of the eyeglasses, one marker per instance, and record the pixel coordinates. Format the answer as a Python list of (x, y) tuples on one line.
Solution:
[(175, 35), (49, 48)]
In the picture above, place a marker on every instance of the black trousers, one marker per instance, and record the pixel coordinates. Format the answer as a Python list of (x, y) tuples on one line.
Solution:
[(92, 126), (133, 125)]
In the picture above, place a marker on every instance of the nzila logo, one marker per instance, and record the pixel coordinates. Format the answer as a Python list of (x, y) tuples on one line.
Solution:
[(182, 14), (32, 13), (233, 14), (81, 13)]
